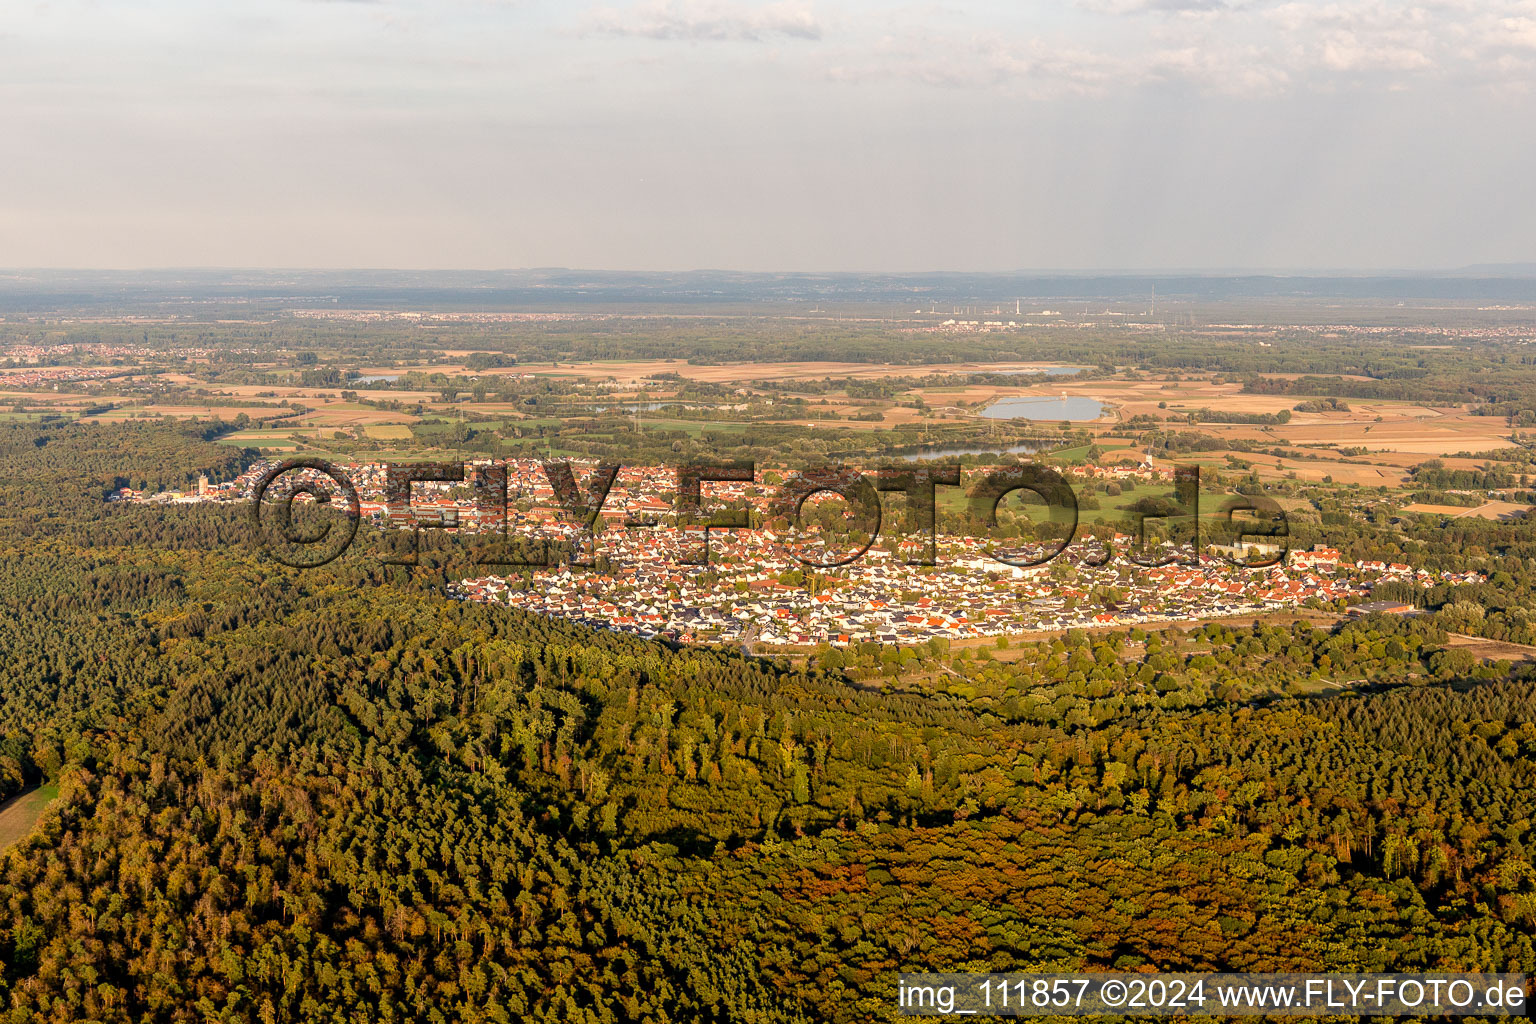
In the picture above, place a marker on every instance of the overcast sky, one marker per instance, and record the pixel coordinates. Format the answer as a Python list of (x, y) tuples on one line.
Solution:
[(678, 134)]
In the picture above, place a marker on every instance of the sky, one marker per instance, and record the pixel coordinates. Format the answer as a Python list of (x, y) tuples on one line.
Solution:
[(794, 135)]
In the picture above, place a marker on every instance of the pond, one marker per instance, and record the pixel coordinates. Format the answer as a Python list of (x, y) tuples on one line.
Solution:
[(1073, 408), (1049, 371), (375, 379)]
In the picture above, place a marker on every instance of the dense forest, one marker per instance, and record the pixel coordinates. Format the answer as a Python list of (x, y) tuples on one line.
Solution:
[(337, 795)]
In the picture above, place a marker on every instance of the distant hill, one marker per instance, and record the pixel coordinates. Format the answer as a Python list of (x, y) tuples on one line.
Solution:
[(34, 291), (1498, 270)]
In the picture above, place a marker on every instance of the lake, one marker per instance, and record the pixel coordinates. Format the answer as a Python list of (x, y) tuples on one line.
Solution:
[(1049, 371), (1039, 407)]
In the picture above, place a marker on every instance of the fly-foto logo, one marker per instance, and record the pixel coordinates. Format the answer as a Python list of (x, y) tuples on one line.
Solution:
[(790, 511)]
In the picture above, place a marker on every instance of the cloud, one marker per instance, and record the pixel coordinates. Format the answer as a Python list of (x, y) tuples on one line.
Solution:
[(1033, 67), (1240, 71), (1519, 31), (705, 21), (1263, 47), (1153, 6), (1344, 51), (1240, 48)]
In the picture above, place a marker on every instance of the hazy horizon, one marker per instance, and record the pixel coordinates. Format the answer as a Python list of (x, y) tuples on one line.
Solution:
[(1514, 269)]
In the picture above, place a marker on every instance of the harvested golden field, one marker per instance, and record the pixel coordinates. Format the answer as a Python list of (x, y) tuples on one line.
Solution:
[(1491, 650), (629, 371), (329, 414), (179, 411), (1272, 467), (1491, 510), (388, 431), (276, 394), (1455, 511), (20, 814), (350, 414)]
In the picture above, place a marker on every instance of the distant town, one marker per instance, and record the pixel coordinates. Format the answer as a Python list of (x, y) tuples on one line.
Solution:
[(638, 575)]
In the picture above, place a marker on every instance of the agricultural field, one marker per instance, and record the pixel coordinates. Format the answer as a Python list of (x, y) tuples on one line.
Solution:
[(1368, 443), (20, 814), (635, 371)]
